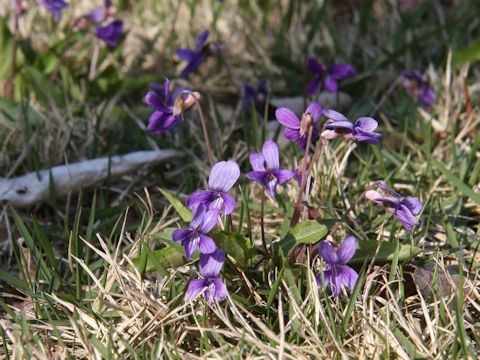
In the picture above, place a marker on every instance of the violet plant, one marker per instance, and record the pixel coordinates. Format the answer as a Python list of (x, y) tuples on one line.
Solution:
[(211, 206)]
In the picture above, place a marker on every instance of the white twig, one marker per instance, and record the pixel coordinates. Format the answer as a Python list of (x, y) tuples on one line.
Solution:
[(35, 187)]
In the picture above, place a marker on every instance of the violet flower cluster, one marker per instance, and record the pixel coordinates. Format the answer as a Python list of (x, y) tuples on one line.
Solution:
[(207, 205), (327, 78), (405, 209), (55, 7), (416, 85)]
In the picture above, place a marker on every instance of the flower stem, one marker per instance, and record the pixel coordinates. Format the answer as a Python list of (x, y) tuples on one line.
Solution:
[(262, 225), (205, 132), (299, 251), (298, 203), (9, 86), (93, 63)]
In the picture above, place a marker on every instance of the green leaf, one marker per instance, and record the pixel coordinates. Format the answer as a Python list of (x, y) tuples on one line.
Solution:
[(181, 209), (307, 232), (44, 89), (455, 181), (159, 260), (165, 234), (469, 54), (387, 252), (236, 245)]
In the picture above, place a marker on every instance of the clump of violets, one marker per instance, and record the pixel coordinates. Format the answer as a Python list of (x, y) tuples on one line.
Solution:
[(255, 97), (417, 86), (207, 204), (195, 236), (223, 177), (168, 108), (214, 288), (327, 78), (338, 126), (266, 168), (338, 274), (55, 7), (405, 209), (297, 129), (196, 56)]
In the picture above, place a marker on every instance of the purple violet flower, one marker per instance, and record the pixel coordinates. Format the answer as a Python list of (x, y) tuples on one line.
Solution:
[(297, 130), (194, 237), (55, 7), (328, 78), (266, 168), (416, 85), (110, 33), (255, 97), (338, 126), (215, 289), (196, 56), (97, 16), (169, 108), (337, 273), (223, 176), (404, 209)]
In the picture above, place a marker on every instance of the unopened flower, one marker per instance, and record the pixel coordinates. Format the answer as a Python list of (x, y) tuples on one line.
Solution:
[(416, 85), (404, 209), (196, 56), (55, 7), (214, 288), (223, 176), (329, 77), (297, 129), (169, 108), (110, 33), (266, 168), (195, 236), (339, 127), (337, 273)]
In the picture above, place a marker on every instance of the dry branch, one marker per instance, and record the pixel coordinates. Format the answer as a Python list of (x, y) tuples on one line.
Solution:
[(34, 187)]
